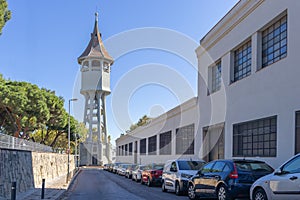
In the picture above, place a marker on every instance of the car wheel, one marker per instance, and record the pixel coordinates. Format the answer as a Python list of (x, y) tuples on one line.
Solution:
[(191, 192), (149, 182), (222, 193), (163, 188), (177, 189), (260, 194)]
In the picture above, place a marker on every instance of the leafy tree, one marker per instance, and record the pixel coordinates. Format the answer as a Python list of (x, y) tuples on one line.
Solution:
[(141, 122), (5, 14), (32, 113)]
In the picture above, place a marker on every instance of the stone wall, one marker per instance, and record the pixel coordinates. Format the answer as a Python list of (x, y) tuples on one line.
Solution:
[(29, 168)]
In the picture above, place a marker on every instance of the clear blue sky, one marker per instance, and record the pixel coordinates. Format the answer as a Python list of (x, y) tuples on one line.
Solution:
[(42, 41)]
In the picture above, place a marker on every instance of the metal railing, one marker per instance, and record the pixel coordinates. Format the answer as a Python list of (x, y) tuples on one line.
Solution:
[(9, 142)]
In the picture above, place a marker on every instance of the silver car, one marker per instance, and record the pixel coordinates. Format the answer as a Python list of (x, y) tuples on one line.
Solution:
[(137, 173), (177, 173), (283, 183)]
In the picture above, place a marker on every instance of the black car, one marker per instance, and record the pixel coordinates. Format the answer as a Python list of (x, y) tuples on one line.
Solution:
[(227, 179)]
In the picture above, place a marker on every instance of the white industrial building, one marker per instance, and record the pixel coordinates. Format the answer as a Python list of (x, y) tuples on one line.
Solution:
[(248, 103)]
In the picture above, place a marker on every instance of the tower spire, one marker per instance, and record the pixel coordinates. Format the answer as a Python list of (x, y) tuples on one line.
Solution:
[(95, 47), (96, 16)]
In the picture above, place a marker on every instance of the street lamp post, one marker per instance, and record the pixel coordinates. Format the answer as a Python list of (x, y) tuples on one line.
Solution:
[(69, 137)]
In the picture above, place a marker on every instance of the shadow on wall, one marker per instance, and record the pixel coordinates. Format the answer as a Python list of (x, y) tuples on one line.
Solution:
[(28, 169)]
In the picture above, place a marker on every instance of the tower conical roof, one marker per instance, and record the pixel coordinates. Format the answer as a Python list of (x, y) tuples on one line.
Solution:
[(95, 47)]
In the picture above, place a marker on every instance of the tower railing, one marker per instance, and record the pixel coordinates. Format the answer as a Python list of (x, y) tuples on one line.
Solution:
[(9, 142)]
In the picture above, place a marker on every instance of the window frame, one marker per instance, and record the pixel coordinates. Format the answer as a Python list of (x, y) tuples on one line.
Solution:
[(183, 140), (241, 68), (255, 138), (152, 145), (274, 41), (215, 77)]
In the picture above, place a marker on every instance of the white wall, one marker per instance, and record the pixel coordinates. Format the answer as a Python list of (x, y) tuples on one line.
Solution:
[(180, 116), (273, 90)]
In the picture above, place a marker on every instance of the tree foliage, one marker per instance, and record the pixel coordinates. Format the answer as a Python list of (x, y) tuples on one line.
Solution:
[(30, 112), (141, 122), (5, 14)]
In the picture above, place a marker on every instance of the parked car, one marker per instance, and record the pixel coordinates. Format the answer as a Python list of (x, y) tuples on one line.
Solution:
[(129, 169), (227, 179), (122, 169), (151, 175), (176, 174), (137, 173), (115, 167), (283, 184)]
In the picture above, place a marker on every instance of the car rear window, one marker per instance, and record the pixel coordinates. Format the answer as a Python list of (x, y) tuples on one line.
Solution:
[(190, 165), (253, 166), (158, 167)]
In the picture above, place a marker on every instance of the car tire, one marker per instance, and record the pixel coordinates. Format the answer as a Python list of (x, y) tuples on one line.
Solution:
[(191, 192), (149, 182), (177, 189), (163, 188), (260, 194), (222, 193)]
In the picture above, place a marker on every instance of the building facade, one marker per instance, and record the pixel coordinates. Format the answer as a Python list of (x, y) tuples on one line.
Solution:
[(248, 84), (168, 136)]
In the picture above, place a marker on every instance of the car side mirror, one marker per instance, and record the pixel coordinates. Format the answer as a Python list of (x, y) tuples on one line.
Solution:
[(278, 172)]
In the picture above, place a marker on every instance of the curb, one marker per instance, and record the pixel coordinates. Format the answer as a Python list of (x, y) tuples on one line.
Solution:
[(69, 185)]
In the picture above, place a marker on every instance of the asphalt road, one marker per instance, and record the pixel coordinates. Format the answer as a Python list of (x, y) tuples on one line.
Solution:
[(93, 183)]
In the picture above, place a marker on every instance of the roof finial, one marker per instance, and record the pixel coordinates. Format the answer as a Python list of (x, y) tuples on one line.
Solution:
[(96, 15)]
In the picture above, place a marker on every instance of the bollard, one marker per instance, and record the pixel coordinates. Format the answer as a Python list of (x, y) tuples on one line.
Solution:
[(13, 190), (43, 189)]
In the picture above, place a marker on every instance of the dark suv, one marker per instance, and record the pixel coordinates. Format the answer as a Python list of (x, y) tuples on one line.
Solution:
[(227, 179)]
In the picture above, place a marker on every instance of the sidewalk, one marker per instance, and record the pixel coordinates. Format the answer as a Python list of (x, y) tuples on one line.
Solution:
[(53, 190)]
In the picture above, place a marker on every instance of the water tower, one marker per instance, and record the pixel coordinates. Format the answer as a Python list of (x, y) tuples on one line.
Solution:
[(95, 86)]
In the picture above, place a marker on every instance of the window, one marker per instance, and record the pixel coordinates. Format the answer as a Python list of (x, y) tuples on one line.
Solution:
[(292, 166), (207, 168), (215, 78), (218, 167), (242, 62), (274, 42), (122, 150), (126, 149), (185, 140), (165, 143), (143, 146), (255, 138), (152, 145), (130, 149), (297, 133)]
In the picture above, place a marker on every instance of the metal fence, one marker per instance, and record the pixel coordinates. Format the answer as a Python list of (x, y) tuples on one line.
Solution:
[(9, 142)]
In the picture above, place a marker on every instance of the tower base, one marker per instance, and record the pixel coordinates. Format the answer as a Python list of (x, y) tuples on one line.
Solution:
[(93, 154)]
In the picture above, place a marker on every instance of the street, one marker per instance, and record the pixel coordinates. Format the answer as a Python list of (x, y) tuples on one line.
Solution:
[(93, 183)]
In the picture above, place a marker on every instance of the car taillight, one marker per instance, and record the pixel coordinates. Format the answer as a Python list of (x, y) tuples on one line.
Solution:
[(234, 173)]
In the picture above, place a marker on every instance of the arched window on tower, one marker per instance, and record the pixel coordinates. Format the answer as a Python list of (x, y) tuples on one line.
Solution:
[(106, 67), (85, 66), (95, 65)]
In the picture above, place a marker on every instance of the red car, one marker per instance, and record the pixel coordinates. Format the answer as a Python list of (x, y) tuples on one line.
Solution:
[(152, 174)]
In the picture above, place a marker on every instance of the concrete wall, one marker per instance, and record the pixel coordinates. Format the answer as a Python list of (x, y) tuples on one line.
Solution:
[(29, 168)]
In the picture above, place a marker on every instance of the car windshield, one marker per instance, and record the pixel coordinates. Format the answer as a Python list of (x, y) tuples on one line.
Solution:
[(253, 166), (142, 167), (190, 165)]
